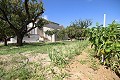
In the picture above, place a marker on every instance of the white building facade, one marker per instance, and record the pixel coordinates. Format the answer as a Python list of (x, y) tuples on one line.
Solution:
[(38, 34)]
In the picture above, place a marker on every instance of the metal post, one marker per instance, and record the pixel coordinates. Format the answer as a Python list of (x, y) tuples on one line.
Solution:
[(104, 20), (103, 26)]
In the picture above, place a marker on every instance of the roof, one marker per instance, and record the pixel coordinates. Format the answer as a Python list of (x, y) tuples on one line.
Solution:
[(53, 26)]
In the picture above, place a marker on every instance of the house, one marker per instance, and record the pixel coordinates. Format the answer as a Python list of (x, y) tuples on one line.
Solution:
[(38, 34)]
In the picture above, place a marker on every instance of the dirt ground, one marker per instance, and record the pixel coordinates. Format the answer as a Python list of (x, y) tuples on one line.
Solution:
[(82, 68)]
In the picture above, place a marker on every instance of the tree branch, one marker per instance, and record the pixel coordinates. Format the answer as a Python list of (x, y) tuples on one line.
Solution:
[(27, 9), (30, 29), (6, 19), (39, 14), (28, 14), (2, 18)]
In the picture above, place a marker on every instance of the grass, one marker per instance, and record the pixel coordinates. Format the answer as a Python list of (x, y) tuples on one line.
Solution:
[(60, 55), (18, 68), (29, 48), (28, 72), (32, 47), (83, 61), (31, 71), (93, 61)]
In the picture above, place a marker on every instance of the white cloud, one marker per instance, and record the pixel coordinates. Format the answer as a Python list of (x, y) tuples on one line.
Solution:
[(45, 17)]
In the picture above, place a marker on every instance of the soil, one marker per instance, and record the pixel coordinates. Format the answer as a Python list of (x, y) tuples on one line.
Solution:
[(84, 71)]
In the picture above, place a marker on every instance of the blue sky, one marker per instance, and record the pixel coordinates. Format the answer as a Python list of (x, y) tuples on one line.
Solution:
[(66, 11)]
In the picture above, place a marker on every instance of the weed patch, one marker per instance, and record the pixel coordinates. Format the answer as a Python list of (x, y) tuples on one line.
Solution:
[(60, 55)]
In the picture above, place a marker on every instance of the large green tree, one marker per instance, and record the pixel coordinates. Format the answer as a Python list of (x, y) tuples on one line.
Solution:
[(19, 13)]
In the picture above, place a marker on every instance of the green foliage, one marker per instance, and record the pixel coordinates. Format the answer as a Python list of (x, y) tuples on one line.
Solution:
[(4, 29), (27, 72), (60, 76), (83, 23), (5, 32), (78, 29), (20, 67), (60, 55), (83, 61), (19, 13), (106, 41), (94, 65), (71, 32), (61, 34), (43, 48), (50, 32), (23, 74)]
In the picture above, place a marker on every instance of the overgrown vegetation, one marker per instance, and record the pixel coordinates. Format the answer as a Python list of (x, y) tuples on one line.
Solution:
[(106, 42), (90, 60), (18, 66), (23, 71), (60, 55)]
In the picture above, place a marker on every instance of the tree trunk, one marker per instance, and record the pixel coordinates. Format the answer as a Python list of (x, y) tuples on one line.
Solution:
[(19, 39), (5, 41)]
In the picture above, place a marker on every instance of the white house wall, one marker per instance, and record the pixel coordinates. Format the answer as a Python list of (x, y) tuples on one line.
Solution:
[(47, 36), (53, 38), (35, 35), (34, 31), (30, 25)]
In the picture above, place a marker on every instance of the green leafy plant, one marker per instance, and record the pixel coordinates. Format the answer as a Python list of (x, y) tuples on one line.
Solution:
[(60, 55), (106, 42)]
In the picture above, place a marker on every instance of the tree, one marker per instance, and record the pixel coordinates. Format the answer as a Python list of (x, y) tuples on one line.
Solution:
[(71, 32), (5, 32), (83, 23), (61, 34), (50, 33), (78, 29), (18, 14)]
